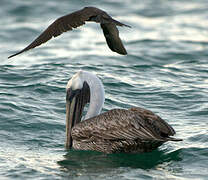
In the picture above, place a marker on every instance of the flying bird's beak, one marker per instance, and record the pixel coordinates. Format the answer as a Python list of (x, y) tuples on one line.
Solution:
[(74, 108)]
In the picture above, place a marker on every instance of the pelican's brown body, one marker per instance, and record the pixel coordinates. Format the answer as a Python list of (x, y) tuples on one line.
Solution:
[(119, 130)]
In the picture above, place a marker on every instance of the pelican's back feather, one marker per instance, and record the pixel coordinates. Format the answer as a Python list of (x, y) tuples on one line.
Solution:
[(119, 128)]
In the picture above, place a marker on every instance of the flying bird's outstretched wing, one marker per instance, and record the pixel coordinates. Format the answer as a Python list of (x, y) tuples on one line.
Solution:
[(78, 18), (113, 40)]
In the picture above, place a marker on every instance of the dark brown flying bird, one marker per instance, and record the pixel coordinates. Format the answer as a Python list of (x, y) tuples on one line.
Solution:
[(78, 18)]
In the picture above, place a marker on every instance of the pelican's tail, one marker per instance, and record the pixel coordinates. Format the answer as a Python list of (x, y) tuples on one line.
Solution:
[(174, 139)]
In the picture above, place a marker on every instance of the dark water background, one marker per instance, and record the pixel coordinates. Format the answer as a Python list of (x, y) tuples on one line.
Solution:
[(166, 71)]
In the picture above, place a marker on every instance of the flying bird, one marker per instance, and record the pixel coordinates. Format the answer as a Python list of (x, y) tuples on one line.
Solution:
[(78, 18), (131, 130)]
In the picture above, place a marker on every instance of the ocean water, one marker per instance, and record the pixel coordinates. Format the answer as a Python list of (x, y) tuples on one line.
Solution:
[(166, 71)]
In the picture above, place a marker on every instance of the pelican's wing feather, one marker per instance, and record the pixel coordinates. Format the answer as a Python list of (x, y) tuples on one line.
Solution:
[(120, 124)]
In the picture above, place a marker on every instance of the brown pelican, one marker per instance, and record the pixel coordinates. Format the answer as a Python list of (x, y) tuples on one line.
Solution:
[(78, 18), (118, 130)]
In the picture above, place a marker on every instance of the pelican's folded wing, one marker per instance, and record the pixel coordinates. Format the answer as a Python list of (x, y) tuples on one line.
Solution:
[(120, 124)]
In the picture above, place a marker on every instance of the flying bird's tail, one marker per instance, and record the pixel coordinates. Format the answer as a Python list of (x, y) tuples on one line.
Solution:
[(120, 24)]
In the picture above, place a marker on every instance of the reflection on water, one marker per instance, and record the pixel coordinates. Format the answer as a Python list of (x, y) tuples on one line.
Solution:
[(89, 162)]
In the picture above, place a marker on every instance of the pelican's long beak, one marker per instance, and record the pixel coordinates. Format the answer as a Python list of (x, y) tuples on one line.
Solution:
[(74, 108)]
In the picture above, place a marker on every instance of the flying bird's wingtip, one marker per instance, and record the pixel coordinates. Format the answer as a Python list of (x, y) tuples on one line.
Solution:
[(10, 56), (16, 54), (124, 53), (13, 55)]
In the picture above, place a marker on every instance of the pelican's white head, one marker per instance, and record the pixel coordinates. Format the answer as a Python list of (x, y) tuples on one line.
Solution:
[(76, 82)]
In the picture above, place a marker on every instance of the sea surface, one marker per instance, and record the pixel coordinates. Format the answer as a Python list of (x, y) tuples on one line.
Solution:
[(166, 71)]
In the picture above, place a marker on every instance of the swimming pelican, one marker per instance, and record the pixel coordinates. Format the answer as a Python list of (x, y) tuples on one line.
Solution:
[(118, 130), (78, 18)]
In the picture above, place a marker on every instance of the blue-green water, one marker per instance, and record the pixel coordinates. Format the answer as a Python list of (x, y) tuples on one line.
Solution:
[(166, 71)]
